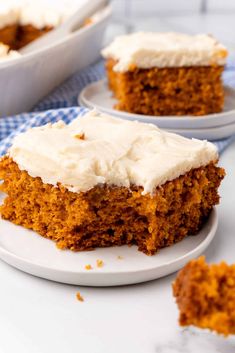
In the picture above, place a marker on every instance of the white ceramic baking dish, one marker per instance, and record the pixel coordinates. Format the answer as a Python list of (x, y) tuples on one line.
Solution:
[(26, 80)]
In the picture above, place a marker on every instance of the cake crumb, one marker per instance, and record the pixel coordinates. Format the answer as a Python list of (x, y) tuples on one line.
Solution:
[(88, 267), (80, 136), (99, 263), (119, 257), (79, 297), (88, 21)]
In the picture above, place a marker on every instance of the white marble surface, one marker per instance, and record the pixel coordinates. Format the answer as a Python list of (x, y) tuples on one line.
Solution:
[(38, 316)]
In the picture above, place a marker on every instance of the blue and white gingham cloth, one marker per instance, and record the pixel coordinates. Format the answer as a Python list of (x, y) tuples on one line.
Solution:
[(61, 104)]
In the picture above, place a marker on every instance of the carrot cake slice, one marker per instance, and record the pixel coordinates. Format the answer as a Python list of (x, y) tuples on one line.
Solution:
[(102, 181), (166, 73), (205, 295), (9, 17)]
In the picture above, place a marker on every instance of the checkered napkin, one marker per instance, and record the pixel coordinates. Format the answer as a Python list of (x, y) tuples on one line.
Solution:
[(62, 105)]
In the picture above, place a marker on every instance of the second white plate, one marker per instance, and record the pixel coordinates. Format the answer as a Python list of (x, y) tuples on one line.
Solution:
[(97, 95), (213, 133), (29, 252)]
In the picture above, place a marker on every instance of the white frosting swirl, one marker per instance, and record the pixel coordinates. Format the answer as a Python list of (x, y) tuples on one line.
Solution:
[(147, 50), (114, 151)]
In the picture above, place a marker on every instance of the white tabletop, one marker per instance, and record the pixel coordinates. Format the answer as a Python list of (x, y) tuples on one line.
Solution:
[(38, 316)]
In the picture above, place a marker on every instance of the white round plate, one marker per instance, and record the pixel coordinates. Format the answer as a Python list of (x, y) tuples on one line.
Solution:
[(38, 256), (213, 133), (97, 95)]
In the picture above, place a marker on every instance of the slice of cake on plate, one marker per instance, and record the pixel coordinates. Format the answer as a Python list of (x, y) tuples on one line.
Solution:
[(166, 73), (102, 181), (205, 295)]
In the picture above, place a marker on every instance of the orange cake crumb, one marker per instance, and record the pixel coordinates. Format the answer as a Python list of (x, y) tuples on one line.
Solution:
[(99, 263), (79, 297), (119, 257), (80, 136), (88, 21), (88, 267), (205, 295)]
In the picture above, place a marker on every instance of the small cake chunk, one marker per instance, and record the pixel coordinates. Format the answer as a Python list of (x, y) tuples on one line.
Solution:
[(166, 73), (79, 297), (88, 267), (205, 295), (99, 263)]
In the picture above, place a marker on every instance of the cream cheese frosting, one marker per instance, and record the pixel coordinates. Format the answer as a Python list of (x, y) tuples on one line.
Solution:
[(40, 15), (9, 13), (100, 149), (148, 50)]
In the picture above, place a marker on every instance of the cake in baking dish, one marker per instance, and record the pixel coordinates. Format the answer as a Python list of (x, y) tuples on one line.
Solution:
[(35, 20), (166, 73), (23, 21), (102, 181), (205, 295)]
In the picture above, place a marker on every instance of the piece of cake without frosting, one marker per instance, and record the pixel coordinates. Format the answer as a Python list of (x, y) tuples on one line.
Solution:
[(205, 295), (102, 181), (166, 73)]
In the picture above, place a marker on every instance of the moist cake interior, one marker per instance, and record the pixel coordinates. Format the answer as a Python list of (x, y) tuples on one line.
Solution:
[(168, 91)]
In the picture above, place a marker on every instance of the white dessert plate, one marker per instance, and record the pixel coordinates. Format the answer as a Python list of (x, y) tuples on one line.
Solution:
[(31, 253), (213, 133), (97, 95)]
